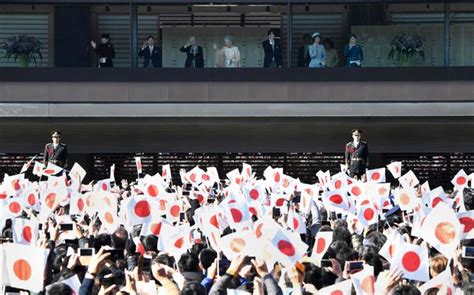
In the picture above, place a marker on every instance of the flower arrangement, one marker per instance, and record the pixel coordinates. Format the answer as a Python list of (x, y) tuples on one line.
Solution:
[(23, 48), (406, 47)]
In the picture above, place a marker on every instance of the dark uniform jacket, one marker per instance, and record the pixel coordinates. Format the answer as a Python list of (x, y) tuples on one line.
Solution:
[(272, 53), (105, 50), (357, 159), (197, 57), (153, 57), (56, 156)]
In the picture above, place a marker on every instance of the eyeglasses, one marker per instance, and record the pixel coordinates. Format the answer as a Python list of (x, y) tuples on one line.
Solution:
[(356, 135), (56, 136)]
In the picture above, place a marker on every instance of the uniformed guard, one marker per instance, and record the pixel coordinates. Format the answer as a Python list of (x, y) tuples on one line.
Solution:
[(356, 155), (56, 152)]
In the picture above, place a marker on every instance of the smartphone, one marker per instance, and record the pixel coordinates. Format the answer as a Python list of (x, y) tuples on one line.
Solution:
[(297, 197), (74, 243), (86, 251), (146, 264), (276, 213), (211, 200), (185, 193), (355, 266), (468, 252), (182, 216), (115, 254), (188, 186), (326, 263), (65, 226), (40, 226)]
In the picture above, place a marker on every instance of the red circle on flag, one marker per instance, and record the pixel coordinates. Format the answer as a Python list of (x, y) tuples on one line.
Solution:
[(142, 208), (277, 177), (411, 261), (375, 176), (238, 180), (445, 232), (49, 171), (31, 199), (14, 207), (80, 204), (108, 217), (152, 190), (391, 250), (436, 201), (364, 202), (163, 204), (16, 184), (461, 180), (174, 210), (26, 233), (258, 230), (213, 220), (404, 199), (355, 190), (163, 172), (467, 222), (280, 202), (369, 214), (320, 244), (253, 194), (337, 199), (237, 245), (236, 215), (296, 223), (286, 248), (200, 198), (382, 191), (386, 203), (338, 184), (22, 269), (253, 211), (49, 200), (155, 228), (179, 243), (336, 292), (192, 177), (205, 177), (104, 186), (367, 284)]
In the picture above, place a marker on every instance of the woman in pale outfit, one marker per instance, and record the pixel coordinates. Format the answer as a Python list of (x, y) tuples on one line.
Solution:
[(228, 56), (317, 52)]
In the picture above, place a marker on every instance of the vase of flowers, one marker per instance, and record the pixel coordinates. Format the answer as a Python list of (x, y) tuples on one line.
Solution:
[(407, 49), (24, 49)]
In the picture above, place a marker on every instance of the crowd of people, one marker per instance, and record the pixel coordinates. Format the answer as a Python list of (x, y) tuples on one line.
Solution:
[(234, 234), (315, 53)]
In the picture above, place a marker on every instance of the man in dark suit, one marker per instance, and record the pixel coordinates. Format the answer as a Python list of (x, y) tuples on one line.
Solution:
[(194, 55), (272, 49), (105, 52), (356, 155), (303, 52), (151, 54), (56, 152)]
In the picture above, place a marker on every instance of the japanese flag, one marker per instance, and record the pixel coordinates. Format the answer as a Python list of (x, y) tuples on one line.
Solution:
[(356, 188), (196, 175), (367, 215), (323, 177), (109, 219), (467, 219), (395, 168), (442, 280), (408, 180), (235, 177), (460, 179), (138, 210), (339, 181), (153, 186), (37, 168), (296, 222), (342, 288), (166, 172), (273, 176), (246, 171), (173, 210), (104, 185), (255, 191), (406, 198), (413, 261), (14, 208), (425, 187), (236, 244), (25, 231), (436, 196), (138, 163), (31, 198), (287, 248), (442, 230), (27, 165), (50, 199), (178, 241), (12, 184), (237, 214), (51, 169), (78, 204), (376, 175), (336, 200), (25, 266), (322, 241), (153, 227), (364, 280), (77, 172), (279, 200)]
